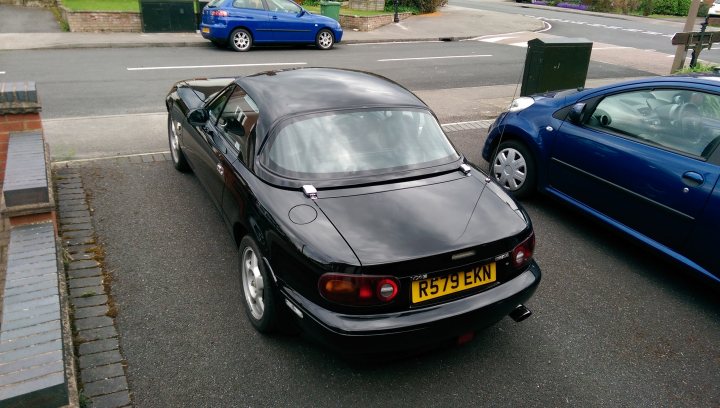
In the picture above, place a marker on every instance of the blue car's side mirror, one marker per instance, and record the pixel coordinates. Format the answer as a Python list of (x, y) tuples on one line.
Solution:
[(577, 113)]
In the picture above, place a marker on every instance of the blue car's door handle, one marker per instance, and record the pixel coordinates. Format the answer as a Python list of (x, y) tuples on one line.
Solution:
[(692, 179)]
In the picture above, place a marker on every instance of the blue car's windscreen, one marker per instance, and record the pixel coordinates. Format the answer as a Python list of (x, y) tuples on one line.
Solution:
[(364, 142)]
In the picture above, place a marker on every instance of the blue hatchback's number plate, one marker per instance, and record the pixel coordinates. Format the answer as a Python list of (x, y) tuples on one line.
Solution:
[(438, 286)]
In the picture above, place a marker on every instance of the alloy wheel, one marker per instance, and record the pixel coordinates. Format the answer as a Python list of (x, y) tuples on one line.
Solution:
[(253, 283), (241, 40), (325, 40)]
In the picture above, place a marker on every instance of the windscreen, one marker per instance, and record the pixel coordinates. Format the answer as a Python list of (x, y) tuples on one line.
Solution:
[(367, 142)]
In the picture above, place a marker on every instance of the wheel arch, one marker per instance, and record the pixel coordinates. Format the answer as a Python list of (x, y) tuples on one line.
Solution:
[(246, 28)]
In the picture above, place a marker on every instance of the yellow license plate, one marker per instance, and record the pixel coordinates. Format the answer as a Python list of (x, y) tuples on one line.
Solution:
[(205, 30), (439, 286)]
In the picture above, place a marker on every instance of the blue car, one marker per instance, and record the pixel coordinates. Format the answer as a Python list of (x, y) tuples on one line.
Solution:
[(642, 156), (242, 23)]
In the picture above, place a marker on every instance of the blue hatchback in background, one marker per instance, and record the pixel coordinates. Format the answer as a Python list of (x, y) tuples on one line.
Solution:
[(242, 23), (642, 156)]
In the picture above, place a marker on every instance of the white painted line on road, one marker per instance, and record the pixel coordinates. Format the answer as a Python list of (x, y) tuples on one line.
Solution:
[(610, 48), (217, 66), (397, 42), (546, 28), (520, 44), (101, 116), (496, 39), (494, 35), (60, 163), (2, 72), (429, 58)]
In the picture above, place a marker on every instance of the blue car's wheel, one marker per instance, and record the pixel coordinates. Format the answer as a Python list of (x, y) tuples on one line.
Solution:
[(241, 40), (513, 167), (324, 39)]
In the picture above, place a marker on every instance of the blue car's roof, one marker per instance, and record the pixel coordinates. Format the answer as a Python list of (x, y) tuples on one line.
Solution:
[(703, 79)]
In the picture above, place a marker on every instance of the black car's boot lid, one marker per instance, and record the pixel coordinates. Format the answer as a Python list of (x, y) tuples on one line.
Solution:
[(406, 223)]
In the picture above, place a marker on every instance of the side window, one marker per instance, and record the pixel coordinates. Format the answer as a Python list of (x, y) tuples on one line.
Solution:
[(237, 122), (249, 4), (682, 120), (284, 6), (218, 104)]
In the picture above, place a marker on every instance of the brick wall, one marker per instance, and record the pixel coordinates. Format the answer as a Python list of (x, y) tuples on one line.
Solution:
[(376, 5), (94, 21), (369, 23), (19, 111)]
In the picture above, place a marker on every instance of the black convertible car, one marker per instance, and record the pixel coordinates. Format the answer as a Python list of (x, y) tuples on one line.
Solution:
[(354, 216)]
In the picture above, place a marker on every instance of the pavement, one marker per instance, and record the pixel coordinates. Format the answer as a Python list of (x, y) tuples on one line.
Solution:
[(450, 23)]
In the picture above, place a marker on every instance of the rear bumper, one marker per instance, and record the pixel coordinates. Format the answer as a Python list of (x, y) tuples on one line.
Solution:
[(214, 31), (413, 329)]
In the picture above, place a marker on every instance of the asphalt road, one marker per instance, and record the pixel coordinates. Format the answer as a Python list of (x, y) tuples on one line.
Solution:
[(613, 324), (628, 31), (92, 82)]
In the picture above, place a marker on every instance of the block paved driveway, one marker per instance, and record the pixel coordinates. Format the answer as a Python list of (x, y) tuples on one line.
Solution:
[(613, 325)]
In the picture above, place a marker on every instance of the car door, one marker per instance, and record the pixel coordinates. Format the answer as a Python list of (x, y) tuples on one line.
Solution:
[(252, 15), (288, 22), (237, 127), (204, 145), (640, 157)]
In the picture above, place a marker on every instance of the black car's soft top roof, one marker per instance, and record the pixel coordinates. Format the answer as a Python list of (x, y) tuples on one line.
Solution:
[(284, 93)]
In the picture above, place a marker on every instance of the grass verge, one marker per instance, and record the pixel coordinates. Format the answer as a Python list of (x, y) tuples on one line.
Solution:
[(102, 5)]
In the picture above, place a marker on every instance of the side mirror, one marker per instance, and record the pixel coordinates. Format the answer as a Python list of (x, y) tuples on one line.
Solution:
[(302, 12), (198, 117), (577, 113)]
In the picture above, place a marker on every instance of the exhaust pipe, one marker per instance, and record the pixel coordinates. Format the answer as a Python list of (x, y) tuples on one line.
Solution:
[(520, 313)]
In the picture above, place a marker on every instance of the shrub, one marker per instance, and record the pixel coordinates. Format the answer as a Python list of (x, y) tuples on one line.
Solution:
[(665, 7), (415, 6), (683, 7), (602, 5)]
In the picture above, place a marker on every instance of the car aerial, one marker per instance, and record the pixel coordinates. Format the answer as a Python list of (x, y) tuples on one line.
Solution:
[(641, 156), (355, 218), (243, 23)]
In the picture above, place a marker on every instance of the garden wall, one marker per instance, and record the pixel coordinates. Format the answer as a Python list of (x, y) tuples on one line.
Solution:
[(368, 23), (375, 5), (95, 21)]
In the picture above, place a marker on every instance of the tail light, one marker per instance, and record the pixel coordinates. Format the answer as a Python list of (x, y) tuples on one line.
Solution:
[(522, 254), (219, 13), (358, 290)]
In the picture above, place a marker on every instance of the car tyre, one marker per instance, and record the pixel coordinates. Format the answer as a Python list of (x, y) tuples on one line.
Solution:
[(176, 153), (324, 39), (241, 40), (259, 293), (513, 167)]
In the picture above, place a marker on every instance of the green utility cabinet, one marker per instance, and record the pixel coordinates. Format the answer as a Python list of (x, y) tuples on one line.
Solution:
[(167, 16), (555, 64), (330, 9)]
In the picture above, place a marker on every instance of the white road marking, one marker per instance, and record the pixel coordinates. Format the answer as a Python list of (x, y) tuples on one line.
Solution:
[(496, 39), (429, 58), (611, 48), (397, 42), (519, 44), (609, 27), (101, 116), (94, 159), (549, 26), (216, 66), (2, 72)]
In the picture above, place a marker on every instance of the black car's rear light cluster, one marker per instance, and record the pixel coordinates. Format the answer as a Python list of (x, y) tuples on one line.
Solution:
[(358, 290), (522, 254)]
